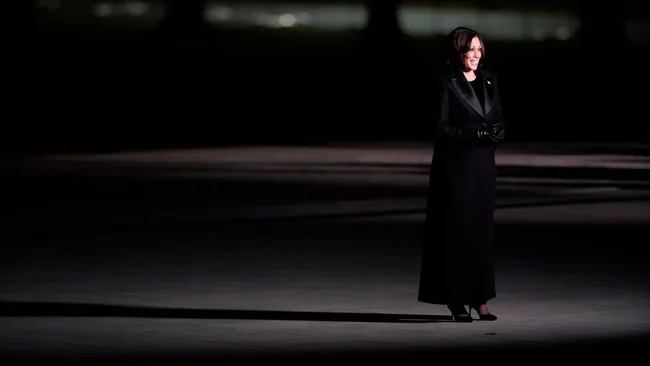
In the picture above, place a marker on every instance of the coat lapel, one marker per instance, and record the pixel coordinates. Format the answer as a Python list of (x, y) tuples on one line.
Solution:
[(462, 87), (488, 88)]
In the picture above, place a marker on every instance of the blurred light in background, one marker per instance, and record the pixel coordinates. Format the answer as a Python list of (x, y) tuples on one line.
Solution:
[(416, 20), (128, 8), (500, 25), (48, 4), (142, 13), (322, 17)]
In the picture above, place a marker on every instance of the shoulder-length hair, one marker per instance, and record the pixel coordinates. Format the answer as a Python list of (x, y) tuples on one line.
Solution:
[(458, 44)]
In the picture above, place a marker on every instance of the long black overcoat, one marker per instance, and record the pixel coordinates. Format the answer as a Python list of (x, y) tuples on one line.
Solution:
[(458, 253)]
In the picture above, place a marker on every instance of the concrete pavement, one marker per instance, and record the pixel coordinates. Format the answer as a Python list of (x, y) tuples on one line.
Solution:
[(310, 269)]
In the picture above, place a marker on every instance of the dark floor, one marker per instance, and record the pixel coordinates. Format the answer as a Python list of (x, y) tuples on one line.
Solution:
[(305, 252)]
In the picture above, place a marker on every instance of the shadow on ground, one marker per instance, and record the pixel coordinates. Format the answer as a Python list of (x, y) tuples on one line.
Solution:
[(53, 309)]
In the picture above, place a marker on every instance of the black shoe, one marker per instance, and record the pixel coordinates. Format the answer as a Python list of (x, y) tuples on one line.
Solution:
[(460, 314), (484, 317)]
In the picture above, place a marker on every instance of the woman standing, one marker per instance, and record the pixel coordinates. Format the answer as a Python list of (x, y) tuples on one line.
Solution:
[(458, 251)]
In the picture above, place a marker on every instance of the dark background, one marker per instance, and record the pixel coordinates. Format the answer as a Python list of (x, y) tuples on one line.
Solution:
[(238, 234), (75, 82)]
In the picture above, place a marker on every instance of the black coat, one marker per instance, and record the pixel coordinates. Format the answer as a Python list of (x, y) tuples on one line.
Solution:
[(458, 251)]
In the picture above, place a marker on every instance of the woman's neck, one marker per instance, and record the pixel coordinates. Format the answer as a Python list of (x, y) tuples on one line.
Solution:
[(469, 75)]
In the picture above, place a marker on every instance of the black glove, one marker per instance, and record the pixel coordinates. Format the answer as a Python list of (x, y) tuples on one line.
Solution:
[(483, 134), (496, 132), (491, 134)]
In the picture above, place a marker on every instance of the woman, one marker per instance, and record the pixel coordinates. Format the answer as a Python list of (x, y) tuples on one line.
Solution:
[(458, 255)]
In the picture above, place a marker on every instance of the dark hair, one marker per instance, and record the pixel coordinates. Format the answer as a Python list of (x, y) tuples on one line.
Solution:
[(459, 42)]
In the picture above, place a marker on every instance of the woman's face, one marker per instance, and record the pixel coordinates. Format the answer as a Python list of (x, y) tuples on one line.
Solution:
[(473, 56)]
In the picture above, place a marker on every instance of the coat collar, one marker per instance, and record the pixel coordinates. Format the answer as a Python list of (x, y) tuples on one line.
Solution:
[(466, 92)]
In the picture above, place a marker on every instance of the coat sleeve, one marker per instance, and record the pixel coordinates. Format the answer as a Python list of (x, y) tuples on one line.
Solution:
[(496, 90), (498, 124)]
